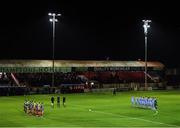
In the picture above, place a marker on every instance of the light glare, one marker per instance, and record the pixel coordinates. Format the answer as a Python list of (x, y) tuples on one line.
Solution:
[(146, 26)]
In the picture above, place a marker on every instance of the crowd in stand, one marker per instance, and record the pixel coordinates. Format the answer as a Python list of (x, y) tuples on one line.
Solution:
[(70, 82), (46, 78), (38, 79), (5, 79), (116, 76)]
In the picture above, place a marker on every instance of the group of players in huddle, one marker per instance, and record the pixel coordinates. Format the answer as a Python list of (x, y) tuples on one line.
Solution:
[(37, 109), (33, 108), (144, 102)]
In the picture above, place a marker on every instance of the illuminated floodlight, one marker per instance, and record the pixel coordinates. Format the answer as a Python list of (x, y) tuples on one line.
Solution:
[(92, 83), (146, 26), (53, 20)]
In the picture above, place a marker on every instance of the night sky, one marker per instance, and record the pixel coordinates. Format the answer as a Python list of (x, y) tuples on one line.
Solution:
[(90, 30)]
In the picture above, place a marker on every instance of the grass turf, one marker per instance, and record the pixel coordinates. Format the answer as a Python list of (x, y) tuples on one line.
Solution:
[(107, 111)]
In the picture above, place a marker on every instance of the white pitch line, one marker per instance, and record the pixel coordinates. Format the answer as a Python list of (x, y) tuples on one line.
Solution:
[(134, 118)]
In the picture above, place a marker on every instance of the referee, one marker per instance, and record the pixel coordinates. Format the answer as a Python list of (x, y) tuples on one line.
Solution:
[(58, 101)]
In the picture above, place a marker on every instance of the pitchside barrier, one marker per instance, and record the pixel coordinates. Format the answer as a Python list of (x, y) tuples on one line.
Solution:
[(117, 85), (40, 90), (135, 86), (102, 90), (169, 88), (109, 89), (12, 90)]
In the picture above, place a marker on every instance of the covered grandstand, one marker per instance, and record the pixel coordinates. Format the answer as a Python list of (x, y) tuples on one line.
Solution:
[(35, 66), (37, 73)]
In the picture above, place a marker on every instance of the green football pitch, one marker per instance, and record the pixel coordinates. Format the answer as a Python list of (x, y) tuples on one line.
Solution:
[(107, 110)]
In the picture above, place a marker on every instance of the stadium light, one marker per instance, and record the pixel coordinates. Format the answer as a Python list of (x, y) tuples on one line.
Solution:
[(92, 83), (146, 26), (53, 20)]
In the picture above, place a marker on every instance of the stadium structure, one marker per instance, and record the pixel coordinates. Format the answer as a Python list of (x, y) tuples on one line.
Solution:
[(22, 76)]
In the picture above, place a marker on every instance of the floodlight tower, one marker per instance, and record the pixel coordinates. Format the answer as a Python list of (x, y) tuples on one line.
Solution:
[(146, 26), (53, 20)]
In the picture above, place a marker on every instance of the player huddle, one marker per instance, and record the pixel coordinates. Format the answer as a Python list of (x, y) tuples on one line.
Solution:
[(33, 108), (144, 102)]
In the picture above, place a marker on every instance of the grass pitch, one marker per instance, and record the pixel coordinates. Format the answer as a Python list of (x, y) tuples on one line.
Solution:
[(93, 110)]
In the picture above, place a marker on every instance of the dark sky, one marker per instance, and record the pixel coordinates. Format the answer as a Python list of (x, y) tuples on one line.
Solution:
[(90, 30)]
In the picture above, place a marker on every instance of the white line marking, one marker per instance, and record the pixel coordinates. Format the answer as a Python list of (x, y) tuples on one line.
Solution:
[(134, 118)]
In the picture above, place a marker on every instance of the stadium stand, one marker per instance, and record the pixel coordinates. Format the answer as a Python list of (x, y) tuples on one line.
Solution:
[(73, 76)]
